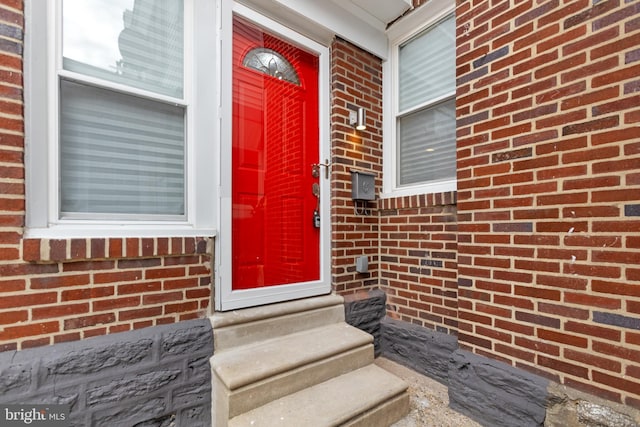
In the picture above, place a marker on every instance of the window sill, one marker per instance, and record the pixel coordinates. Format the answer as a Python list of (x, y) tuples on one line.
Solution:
[(447, 186), (44, 250), (88, 230)]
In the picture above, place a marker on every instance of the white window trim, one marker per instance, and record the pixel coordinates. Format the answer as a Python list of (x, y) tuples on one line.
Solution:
[(401, 31), (42, 44)]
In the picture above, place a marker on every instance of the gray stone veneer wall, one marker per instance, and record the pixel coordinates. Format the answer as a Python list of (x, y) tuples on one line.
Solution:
[(366, 313), (424, 350), (494, 393), (157, 376), (491, 392)]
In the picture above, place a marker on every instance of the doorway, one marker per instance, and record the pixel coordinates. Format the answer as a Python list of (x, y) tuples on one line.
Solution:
[(279, 199)]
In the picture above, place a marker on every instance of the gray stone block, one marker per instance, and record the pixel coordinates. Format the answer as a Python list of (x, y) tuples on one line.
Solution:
[(132, 414), (193, 393), (82, 420), (122, 388), (153, 376), (14, 378), (198, 416), (494, 393), (60, 396), (367, 313), (187, 340), (164, 421), (424, 350), (196, 367), (97, 359)]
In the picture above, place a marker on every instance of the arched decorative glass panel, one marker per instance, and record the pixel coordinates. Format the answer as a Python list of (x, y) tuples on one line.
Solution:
[(270, 62)]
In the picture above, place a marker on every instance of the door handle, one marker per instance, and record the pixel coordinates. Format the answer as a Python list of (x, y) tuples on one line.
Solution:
[(316, 169)]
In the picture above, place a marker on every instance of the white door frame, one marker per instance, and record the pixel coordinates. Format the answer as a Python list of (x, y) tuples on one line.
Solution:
[(226, 298)]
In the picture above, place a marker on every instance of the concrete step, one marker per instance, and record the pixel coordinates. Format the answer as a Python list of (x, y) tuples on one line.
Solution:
[(299, 364), (366, 397), (249, 376), (241, 327)]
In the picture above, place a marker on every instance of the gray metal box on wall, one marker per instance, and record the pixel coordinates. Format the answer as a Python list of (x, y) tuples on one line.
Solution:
[(363, 185)]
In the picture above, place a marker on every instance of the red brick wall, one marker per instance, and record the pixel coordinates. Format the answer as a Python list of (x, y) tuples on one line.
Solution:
[(410, 241), (356, 81), (62, 290), (418, 271), (546, 259), (548, 108)]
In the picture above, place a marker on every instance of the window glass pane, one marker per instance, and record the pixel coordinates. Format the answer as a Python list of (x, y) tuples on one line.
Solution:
[(427, 144), (120, 154), (133, 42), (272, 63), (427, 65)]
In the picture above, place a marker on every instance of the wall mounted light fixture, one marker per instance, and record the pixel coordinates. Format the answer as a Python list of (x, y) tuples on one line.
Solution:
[(358, 118)]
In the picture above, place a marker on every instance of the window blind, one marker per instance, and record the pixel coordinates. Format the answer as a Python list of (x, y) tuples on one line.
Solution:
[(426, 122), (427, 65), (427, 149), (120, 154)]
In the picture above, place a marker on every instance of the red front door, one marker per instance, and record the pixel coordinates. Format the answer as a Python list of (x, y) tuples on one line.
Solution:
[(275, 144)]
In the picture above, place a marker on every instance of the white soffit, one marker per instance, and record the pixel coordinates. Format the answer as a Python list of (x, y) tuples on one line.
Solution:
[(292, 19), (343, 18), (384, 11), (424, 15)]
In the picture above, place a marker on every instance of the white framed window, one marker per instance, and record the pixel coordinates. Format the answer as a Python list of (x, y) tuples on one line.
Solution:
[(117, 142), (419, 90)]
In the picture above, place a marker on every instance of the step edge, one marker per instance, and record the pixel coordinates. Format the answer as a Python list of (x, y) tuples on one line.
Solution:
[(234, 358), (399, 404), (398, 389), (241, 334), (331, 367), (228, 318)]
